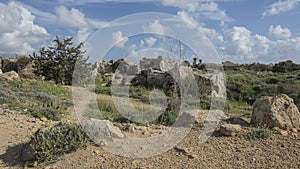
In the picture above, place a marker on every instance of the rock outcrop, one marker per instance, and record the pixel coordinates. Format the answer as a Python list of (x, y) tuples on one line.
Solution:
[(160, 63), (279, 111)]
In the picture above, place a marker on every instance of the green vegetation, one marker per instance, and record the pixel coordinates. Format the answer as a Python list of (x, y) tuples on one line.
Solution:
[(36, 98), (259, 133), (63, 138), (245, 86), (58, 62)]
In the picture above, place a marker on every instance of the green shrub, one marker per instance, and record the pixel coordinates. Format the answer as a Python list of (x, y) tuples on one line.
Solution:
[(51, 110), (58, 140), (259, 133)]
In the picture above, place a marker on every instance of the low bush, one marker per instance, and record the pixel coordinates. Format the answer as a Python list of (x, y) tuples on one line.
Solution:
[(259, 133), (61, 139)]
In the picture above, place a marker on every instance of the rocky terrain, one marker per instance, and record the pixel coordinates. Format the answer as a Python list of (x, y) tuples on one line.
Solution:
[(234, 143), (278, 151)]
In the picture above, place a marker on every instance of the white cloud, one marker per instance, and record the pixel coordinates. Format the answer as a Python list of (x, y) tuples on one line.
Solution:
[(82, 2), (279, 32), (186, 17), (46, 17), (150, 41), (118, 39), (71, 18), (240, 40), (242, 45), (18, 32), (155, 27), (208, 9), (142, 43), (280, 7), (177, 3)]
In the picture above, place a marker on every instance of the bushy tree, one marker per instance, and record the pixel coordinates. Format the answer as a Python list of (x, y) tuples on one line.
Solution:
[(286, 66), (57, 62)]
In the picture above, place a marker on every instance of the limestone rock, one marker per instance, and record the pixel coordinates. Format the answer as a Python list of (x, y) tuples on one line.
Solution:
[(230, 129), (12, 75), (100, 130), (279, 111), (126, 67), (202, 116), (160, 63)]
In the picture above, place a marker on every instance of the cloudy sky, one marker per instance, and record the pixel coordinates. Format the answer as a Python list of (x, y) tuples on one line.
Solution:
[(240, 30)]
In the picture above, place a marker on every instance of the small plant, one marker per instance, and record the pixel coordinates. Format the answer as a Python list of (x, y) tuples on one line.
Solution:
[(63, 138), (51, 110), (259, 133)]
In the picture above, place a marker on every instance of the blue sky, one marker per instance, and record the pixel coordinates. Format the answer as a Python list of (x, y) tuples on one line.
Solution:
[(240, 30)]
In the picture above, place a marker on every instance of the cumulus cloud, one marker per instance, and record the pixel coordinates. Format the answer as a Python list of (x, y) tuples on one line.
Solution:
[(280, 7), (210, 10), (241, 40), (118, 39), (242, 45), (156, 27), (279, 32), (188, 18), (73, 18), (150, 41), (18, 32), (177, 3)]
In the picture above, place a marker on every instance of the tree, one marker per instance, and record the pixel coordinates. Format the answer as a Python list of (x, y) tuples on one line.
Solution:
[(287, 66), (57, 62)]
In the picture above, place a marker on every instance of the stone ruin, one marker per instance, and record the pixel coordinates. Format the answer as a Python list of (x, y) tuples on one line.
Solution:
[(21, 66), (160, 72)]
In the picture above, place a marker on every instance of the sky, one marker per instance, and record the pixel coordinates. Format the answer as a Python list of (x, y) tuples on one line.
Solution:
[(242, 31)]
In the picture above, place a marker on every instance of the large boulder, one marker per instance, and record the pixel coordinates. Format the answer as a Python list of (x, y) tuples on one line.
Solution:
[(12, 75), (126, 67), (102, 66), (100, 130), (279, 111), (9, 65)]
